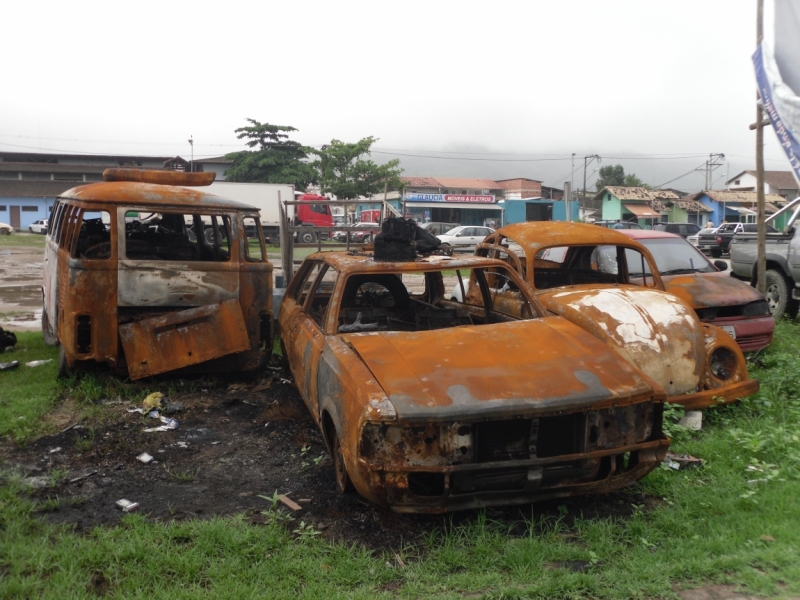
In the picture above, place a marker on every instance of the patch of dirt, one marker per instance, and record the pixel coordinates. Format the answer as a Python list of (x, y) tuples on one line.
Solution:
[(231, 446)]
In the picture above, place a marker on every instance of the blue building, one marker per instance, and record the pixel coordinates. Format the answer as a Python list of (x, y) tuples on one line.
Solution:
[(733, 206), (537, 209)]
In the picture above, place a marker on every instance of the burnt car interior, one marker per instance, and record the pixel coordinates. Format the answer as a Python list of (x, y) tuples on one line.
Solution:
[(174, 236), (408, 301), (574, 265)]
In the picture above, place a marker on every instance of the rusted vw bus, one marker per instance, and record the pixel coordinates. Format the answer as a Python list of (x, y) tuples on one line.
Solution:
[(149, 277)]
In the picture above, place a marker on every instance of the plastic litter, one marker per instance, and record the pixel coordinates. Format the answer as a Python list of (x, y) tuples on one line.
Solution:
[(153, 400), (145, 458), (679, 462), (8, 339), (127, 505), (168, 424), (141, 411), (56, 449), (38, 363), (170, 408), (9, 365)]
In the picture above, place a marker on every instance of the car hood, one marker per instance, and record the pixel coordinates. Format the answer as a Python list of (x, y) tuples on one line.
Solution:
[(657, 332), (541, 366), (708, 290)]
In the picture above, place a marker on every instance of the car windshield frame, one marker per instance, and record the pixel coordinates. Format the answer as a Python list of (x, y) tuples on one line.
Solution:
[(452, 232)]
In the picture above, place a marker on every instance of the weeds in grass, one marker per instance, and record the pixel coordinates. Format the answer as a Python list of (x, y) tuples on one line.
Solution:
[(85, 440), (305, 531), (183, 476), (274, 514), (87, 389), (49, 504)]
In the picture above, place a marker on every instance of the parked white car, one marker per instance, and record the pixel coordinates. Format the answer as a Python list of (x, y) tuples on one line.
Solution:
[(6, 229), (694, 239), (38, 226), (465, 236)]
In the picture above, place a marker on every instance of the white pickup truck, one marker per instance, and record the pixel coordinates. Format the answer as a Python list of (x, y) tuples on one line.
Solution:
[(783, 263)]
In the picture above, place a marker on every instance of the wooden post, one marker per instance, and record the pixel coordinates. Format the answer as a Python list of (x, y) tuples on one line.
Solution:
[(761, 269)]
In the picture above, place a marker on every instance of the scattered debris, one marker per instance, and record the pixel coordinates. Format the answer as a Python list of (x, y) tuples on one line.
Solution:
[(168, 424), (8, 339), (73, 426), (9, 365), (767, 538), (304, 500), (236, 387), (182, 444), (81, 477), (214, 443), (396, 557), (37, 482), (141, 411), (145, 458), (290, 503), (56, 449), (693, 419), (680, 462), (38, 363), (127, 505), (170, 408), (248, 403), (153, 400)]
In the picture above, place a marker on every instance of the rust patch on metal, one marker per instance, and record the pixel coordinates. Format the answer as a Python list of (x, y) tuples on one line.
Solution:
[(179, 339), (159, 177)]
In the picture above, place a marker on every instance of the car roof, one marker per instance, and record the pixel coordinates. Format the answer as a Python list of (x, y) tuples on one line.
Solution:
[(347, 262), (150, 194), (547, 234), (648, 234)]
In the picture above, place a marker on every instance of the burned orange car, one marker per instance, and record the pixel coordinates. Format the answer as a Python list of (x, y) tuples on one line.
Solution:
[(149, 277), (429, 404), (582, 272)]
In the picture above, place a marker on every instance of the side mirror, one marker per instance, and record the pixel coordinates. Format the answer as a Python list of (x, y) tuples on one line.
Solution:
[(721, 265)]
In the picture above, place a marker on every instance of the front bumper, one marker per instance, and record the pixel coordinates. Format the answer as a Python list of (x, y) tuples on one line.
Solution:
[(514, 482), (713, 397)]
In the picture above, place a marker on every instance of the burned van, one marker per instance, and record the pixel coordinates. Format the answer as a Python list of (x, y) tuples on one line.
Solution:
[(149, 277)]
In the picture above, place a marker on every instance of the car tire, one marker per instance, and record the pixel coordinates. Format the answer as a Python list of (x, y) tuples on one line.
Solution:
[(50, 338), (778, 295), (715, 253), (30, 229), (367, 239), (343, 483), (4, 232), (307, 237)]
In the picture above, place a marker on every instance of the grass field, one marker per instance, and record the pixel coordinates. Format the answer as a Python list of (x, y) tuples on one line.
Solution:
[(735, 520), (22, 239)]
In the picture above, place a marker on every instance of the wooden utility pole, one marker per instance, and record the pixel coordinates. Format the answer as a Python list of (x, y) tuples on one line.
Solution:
[(761, 268)]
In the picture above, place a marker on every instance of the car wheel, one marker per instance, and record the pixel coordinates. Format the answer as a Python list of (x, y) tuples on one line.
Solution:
[(367, 239), (715, 253), (4, 232), (343, 483), (30, 229), (307, 237), (777, 294), (50, 338)]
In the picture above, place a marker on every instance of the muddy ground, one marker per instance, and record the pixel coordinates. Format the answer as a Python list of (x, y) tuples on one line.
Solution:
[(232, 445), (21, 287)]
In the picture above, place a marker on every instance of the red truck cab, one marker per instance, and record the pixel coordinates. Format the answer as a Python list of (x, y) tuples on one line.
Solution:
[(318, 215)]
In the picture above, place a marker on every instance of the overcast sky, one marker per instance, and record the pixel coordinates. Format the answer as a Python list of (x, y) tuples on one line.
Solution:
[(518, 85)]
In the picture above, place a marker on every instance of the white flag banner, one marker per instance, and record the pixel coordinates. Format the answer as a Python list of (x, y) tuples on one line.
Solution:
[(778, 77)]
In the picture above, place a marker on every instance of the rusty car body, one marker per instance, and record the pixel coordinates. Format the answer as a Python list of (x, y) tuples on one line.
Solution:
[(582, 273), (429, 404), (715, 296), (149, 277)]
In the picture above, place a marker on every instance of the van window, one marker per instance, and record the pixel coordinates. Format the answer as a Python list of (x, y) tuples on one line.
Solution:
[(94, 237), (253, 249), (176, 236)]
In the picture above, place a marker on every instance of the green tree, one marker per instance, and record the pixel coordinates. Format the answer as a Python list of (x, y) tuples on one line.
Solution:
[(633, 181), (610, 175), (277, 159), (346, 171)]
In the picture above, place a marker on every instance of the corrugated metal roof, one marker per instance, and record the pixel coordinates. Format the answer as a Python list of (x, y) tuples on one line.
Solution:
[(31, 167), (692, 206), (783, 180), (637, 193), (736, 196)]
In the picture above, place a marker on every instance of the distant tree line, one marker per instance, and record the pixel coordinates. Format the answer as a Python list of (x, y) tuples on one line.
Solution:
[(343, 169)]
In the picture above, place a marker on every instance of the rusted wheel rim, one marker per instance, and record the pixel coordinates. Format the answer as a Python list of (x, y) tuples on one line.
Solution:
[(773, 296)]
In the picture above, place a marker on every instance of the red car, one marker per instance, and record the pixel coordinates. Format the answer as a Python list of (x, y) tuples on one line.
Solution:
[(716, 297)]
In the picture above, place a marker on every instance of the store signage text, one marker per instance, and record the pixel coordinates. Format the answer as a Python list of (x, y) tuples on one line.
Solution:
[(416, 197)]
